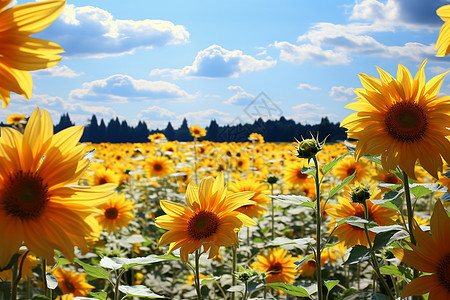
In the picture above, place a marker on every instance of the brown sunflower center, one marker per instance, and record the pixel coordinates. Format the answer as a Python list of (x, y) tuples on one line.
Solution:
[(111, 213), (275, 268), (301, 176), (350, 171), (157, 167), (202, 225), (240, 163), (406, 121), (69, 286), (102, 180), (24, 195), (443, 272)]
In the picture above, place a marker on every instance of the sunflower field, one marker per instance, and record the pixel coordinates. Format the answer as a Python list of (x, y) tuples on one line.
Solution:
[(362, 219)]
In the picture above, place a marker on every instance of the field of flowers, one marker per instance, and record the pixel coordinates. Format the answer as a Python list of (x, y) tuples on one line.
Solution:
[(362, 219), (268, 204)]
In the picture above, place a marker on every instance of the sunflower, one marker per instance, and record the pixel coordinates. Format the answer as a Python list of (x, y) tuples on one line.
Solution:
[(197, 132), (261, 200), (117, 213), (104, 174), (40, 205), (71, 282), (158, 166), (443, 42), (430, 255), (210, 219), (278, 264), (20, 53), (347, 167), (15, 119), (293, 174), (29, 264), (353, 235), (157, 137), (402, 119), (256, 137)]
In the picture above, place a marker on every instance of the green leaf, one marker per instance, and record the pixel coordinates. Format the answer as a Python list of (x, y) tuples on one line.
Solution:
[(420, 190), (168, 257), (282, 241), (309, 171), (296, 200), (373, 158), (332, 163), (290, 289), (60, 262), (301, 262), (361, 253), (340, 186), (100, 295), (330, 284), (359, 222), (208, 280), (126, 263), (140, 291), (400, 271), (391, 199), (94, 272)]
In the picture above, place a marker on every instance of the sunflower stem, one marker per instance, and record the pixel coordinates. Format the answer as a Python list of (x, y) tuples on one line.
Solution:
[(197, 274), (318, 231), (233, 269), (272, 206), (373, 258), (44, 275)]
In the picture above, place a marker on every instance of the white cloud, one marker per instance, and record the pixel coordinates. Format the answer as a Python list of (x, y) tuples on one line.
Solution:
[(335, 44), (156, 112), (299, 54), (204, 117), (412, 14), (93, 32), (438, 69), (305, 86), (307, 107), (57, 71), (215, 61), (310, 113), (241, 97), (124, 88), (340, 93)]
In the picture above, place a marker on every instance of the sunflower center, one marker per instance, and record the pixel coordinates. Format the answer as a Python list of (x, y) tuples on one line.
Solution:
[(203, 225), (276, 268), (69, 286), (443, 272), (111, 213), (406, 122), (102, 180), (301, 176), (24, 195), (350, 171), (157, 167), (240, 163)]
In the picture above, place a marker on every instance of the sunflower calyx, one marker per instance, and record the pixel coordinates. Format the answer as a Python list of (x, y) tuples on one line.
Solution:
[(309, 148), (272, 179), (360, 194)]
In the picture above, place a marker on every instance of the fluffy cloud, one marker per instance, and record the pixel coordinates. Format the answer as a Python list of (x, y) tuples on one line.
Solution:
[(124, 88), (307, 107), (340, 93), (413, 14), (57, 71), (215, 61), (241, 97), (93, 32), (335, 44), (305, 86)]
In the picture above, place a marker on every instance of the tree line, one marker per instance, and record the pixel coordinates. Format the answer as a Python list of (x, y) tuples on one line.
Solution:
[(281, 130)]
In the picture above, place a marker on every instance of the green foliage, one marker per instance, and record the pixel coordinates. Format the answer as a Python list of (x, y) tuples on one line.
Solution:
[(332, 163), (290, 289), (139, 291), (339, 187), (94, 272)]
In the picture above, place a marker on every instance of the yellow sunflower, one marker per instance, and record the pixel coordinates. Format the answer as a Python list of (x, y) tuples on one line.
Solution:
[(156, 137), (158, 166), (261, 200), (104, 174), (40, 205), (197, 132), (402, 119), (20, 53), (430, 255), (15, 119), (71, 282), (353, 235), (117, 213), (256, 137), (29, 264), (293, 175), (210, 220), (347, 167), (443, 42), (278, 264)]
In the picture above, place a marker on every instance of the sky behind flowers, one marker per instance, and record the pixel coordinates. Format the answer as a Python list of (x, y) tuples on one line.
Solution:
[(161, 61)]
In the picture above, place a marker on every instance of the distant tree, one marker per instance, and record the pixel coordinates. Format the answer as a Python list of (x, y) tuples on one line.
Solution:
[(101, 135), (64, 122), (169, 132), (212, 131)]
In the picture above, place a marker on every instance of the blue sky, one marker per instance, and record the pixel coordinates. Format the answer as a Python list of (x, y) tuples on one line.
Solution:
[(160, 61)]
